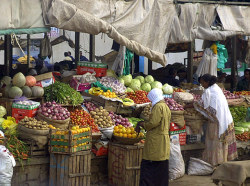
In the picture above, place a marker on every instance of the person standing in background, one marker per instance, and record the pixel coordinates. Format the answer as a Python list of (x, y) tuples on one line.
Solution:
[(72, 58), (83, 58), (244, 83), (156, 151)]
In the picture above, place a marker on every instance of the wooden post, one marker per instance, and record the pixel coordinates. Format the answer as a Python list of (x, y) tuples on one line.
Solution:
[(7, 54), (190, 62), (77, 48), (28, 51), (234, 63), (149, 67), (92, 48)]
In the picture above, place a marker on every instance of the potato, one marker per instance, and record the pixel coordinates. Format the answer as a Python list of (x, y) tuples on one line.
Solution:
[(92, 113), (99, 113), (96, 117), (27, 126), (97, 110), (99, 122), (101, 107), (101, 126), (100, 119), (34, 128)]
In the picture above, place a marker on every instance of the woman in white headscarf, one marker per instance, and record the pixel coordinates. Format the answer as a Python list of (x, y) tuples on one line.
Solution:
[(220, 142), (156, 151)]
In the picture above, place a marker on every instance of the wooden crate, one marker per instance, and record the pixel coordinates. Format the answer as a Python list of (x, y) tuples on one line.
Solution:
[(34, 150), (124, 162), (70, 170)]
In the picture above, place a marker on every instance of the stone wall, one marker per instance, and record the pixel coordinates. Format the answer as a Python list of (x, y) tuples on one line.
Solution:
[(34, 173)]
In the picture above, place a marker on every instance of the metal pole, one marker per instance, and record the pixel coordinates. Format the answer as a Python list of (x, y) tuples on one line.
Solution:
[(190, 62), (77, 47), (234, 63), (150, 66), (214, 2), (28, 51), (91, 48), (7, 54)]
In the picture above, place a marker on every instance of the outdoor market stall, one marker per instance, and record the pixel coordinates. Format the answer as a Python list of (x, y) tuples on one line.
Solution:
[(68, 125)]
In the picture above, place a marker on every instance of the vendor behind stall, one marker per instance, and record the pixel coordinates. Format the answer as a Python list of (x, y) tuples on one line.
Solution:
[(156, 151), (170, 79), (244, 83), (220, 142)]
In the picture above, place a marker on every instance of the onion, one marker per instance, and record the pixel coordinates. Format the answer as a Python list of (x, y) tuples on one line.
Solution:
[(54, 117)]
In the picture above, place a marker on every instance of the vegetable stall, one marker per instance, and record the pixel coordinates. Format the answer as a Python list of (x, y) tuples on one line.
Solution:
[(96, 117)]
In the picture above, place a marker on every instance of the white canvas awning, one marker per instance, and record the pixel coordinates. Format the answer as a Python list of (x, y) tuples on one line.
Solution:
[(141, 26), (21, 16)]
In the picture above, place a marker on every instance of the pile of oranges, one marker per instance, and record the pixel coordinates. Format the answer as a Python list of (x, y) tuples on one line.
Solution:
[(108, 94), (126, 132)]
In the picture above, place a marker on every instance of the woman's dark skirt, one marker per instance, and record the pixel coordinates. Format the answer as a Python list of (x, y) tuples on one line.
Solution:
[(154, 173)]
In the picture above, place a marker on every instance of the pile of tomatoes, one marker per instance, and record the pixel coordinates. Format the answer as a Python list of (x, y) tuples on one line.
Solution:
[(139, 96), (82, 118)]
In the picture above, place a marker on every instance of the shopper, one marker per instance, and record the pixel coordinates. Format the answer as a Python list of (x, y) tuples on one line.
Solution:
[(171, 78), (66, 57), (156, 151), (244, 83), (220, 142)]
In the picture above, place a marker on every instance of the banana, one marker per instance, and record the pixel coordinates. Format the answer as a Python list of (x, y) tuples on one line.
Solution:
[(128, 102)]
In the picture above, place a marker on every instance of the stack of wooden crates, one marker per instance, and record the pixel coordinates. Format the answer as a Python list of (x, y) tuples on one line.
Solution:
[(70, 168)]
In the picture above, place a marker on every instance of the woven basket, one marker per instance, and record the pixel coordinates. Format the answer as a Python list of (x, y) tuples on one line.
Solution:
[(126, 141)]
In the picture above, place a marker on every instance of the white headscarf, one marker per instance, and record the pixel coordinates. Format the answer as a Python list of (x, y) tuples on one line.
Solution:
[(155, 95)]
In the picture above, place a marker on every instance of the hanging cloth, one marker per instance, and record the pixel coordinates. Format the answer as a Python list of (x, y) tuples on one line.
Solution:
[(127, 61), (46, 49), (222, 55), (208, 64)]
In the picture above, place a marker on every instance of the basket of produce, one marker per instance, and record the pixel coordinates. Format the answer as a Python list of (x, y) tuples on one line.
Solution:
[(126, 135), (54, 114)]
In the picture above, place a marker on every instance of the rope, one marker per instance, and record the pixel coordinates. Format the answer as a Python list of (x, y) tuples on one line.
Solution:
[(13, 39)]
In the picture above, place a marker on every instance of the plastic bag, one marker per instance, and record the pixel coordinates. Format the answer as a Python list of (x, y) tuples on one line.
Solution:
[(88, 78), (107, 132), (176, 162), (199, 167), (7, 162)]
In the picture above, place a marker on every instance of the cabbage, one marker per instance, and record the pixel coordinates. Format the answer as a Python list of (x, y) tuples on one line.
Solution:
[(167, 89), (127, 79), (156, 84), (141, 78), (2, 111), (1, 120), (146, 87), (149, 79), (244, 125), (121, 80), (129, 90), (135, 84)]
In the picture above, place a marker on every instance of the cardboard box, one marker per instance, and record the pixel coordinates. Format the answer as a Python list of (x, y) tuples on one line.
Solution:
[(177, 133), (45, 80)]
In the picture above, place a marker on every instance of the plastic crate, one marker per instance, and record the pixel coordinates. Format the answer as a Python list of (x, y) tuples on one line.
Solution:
[(193, 138), (99, 68)]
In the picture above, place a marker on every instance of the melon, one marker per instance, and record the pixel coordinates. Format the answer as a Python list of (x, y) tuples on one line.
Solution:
[(19, 80), (15, 92), (6, 90), (30, 81), (37, 91), (6, 80), (27, 92)]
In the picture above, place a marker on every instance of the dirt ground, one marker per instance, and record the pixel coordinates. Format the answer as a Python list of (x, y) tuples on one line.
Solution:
[(193, 181)]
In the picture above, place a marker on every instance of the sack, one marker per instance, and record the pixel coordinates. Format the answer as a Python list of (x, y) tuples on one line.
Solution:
[(176, 162), (107, 132), (39, 136), (7, 162), (61, 124), (183, 97), (88, 78), (178, 118), (46, 49), (199, 167), (195, 125)]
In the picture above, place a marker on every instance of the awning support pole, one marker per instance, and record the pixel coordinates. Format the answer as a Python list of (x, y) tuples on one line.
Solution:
[(77, 47), (92, 48), (190, 62), (234, 63)]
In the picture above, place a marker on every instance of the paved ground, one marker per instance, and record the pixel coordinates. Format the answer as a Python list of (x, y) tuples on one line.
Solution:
[(193, 181)]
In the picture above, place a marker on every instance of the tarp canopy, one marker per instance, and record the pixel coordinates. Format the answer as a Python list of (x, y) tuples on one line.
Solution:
[(21, 16), (194, 21), (141, 26)]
